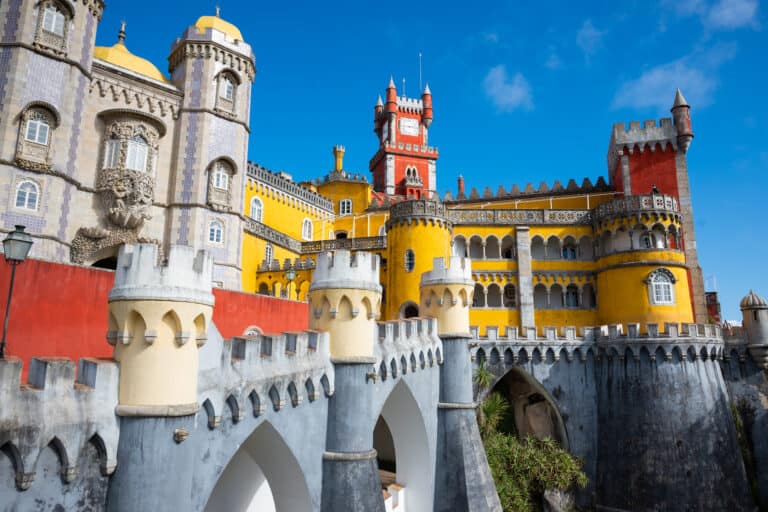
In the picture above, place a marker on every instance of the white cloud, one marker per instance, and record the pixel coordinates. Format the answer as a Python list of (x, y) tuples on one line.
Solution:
[(732, 14), (589, 39), (506, 93), (553, 61), (695, 75), (718, 14)]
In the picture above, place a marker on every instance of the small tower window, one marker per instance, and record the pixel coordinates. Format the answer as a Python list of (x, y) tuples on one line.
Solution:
[(345, 207), (112, 153), (306, 229), (136, 156), (37, 130), (216, 232), (409, 260), (227, 88), (269, 253), (257, 209), (220, 177), (53, 20), (661, 287), (27, 194)]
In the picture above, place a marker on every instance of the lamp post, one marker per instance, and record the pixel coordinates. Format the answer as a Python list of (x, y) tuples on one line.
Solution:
[(15, 247), (290, 275)]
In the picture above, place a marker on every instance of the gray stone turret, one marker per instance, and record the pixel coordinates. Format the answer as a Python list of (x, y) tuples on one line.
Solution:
[(754, 312)]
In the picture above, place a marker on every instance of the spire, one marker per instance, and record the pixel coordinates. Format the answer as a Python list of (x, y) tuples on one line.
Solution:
[(679, 100), (121, 34), (426, 89), (379, 103), (218, 11), (391, 82)]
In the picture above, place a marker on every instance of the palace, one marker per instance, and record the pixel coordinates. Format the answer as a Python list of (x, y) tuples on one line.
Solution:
[(272, 344)]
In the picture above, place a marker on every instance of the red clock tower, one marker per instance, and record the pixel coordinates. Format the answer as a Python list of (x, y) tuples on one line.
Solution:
[(404, 164)]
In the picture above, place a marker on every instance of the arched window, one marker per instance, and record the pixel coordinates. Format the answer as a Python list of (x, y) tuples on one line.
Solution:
[(227, 88), (510, 296), (661, 287), (53, 20), (494, 296), (409, 260), (220, 176), (572, 296), (112, 153), (216, 232), (478, 298), (27, 194), (257, 209), (269, 254), (136, 157), (646, 242), (345, 207), (306, 229), (52, 27), (227, 92), (36, 129), (569, 249)]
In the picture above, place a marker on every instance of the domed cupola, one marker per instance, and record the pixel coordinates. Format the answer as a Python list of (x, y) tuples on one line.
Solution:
[(753, 301), (203, 23), (118, 55)]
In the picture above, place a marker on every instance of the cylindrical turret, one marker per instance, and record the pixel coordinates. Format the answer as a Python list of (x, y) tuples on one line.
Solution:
[(344, 300), (639, 244), (681, 113), (338, 155), (426, 100), (391, 97), (417, 232), (158, 319), (460, 192), (754, 314), (446, 294)]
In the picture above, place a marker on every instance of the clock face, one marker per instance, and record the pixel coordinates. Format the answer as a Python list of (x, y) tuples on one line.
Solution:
[(409, 126)]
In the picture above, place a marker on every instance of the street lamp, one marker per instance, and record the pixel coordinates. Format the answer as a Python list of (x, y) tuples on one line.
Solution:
[(290, 275), (15, 247)]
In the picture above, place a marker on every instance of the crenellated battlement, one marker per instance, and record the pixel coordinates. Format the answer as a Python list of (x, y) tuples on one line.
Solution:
[(639, 137), (260, 371), (406, 346), (458, 271), (530, 191), (342, 269), (185, 276), (410, 105), (56, 409)]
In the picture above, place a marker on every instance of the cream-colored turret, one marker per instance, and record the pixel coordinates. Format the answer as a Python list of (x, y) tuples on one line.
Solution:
[(754, 312), (446, 294), (344, 300), (158, 319)]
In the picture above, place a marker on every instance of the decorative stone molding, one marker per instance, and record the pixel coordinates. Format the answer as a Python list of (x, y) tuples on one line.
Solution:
[(90, 241), (622, 206), (350, 244), (48, 41), (520, 217), (278, 182), (210, 50), (31, 155), (272, 235), (122, 92)]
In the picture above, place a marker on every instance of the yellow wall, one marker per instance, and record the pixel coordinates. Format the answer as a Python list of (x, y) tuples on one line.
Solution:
[(253, 254), (283, 212), (359, 192), (427, 242)]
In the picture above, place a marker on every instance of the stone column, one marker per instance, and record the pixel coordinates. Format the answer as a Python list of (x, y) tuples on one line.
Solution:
[(463, 480), (345, 299), (525, 276)]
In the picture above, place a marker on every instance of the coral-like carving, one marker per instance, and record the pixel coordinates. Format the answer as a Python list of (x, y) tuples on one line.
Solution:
[(126, 195), (89, 241)]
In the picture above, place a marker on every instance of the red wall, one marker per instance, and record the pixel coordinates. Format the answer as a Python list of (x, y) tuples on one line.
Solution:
[(649, 168), (61, 310)]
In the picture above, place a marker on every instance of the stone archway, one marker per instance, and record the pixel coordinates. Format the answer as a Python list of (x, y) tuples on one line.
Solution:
[(414, 468), (262, 476), (535, 411)]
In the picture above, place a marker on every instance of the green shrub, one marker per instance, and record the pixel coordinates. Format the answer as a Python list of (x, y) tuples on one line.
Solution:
[(523, 470)]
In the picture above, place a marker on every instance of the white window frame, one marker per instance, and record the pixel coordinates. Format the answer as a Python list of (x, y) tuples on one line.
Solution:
[(227, 89), (112, 153), (259, 209), (306, 229), (37, 127), (661, 287), (216, 232), (137, 155), (220, 176), (269, 254), (27, 196), (54, 21), (345, 207)]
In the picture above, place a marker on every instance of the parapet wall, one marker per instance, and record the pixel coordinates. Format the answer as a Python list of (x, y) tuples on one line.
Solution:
[(406, 346), (55, 409), (341, 269)]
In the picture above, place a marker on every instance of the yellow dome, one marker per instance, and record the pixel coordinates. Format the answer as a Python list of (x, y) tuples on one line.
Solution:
[(205, 22), (120, 56)]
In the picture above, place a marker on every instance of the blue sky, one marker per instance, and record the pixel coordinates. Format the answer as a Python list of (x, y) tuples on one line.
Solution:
[(523, 92)]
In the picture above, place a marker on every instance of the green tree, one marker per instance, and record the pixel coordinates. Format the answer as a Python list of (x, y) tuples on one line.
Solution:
[(491, 413), (483, 376)]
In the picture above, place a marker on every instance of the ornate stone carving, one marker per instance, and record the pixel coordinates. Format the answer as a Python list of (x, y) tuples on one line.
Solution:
[(32, 155), (127, 194), (90, 241), (49, 41)]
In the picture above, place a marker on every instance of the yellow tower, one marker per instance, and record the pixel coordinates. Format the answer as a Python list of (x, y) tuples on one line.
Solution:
[(158, 319), (417, 232), (446, 294), (344, 300), (642, 276)]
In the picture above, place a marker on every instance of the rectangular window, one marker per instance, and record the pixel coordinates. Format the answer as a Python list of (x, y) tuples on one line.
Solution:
[(137, 156), (345, 207), (37, 131), (111, 153), (53, 21)]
